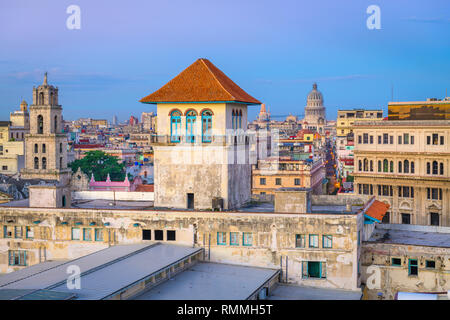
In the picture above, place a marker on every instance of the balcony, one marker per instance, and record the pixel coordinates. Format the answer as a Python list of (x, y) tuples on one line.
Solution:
[(213, 140)]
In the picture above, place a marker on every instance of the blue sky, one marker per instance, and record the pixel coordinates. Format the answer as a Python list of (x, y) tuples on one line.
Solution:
[(274, 50)]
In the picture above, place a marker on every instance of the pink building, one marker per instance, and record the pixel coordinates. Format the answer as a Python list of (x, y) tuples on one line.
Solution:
[(109, 185)]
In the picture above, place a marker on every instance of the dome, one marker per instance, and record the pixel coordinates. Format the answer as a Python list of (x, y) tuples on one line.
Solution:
[(315, 97)]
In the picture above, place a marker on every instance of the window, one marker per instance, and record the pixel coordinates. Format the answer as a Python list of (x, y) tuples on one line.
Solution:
[(428, 168), (17, 258), (442, 140), (36, 163), (399, 139), (406, 138), (221, 238), (396, 262), (313, 269), (412, 167), (44, 148), (428, 140), (406, 218), (262, 181), (234, 238), (278, 181), (60, 148), (76, 233), (365, 138), (412, 139), (413, 269), (441, 168), (17, 232), (191, 118), (391, 166), (385, 165), (385, 138), (171, 235), (44, 163), (434, 219), (98, 234), (4, 168), (147, 234), (371, 139), (36, 148), (366, 165), (435, 138), (159, 235), (29, 232), (391, 139), (40, 124), (399, 167), (430, 264), (379, 166), (56, 124), (7, 232), (435, 167), (379, 139), (313, 241), (327, 241), (247, 238), (87, 234), (434, 193), (206, 126), (300, 241), (359, 165), (175, 126)]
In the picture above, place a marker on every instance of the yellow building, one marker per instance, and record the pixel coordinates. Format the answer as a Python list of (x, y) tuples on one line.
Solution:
[(432, 109), (346, 119)]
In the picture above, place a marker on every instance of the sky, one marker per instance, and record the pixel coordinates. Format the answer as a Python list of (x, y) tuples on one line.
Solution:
[(274, 50)]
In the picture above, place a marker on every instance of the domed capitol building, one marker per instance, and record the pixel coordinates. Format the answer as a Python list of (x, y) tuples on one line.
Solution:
[(314, 111)]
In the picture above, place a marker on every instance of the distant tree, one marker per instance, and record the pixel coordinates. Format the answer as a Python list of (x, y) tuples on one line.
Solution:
[(100, 164)]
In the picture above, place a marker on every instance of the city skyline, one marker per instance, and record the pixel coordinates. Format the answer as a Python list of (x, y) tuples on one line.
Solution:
[(275, 52)]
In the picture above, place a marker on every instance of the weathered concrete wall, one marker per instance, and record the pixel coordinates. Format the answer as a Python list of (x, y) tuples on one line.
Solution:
[(111, 195), (340, 199), (293, 201), (273, 237), (49, 196), (396, 278)]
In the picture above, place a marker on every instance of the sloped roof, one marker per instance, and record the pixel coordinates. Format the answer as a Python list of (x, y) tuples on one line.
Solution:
[(200, 82), (377, 210)]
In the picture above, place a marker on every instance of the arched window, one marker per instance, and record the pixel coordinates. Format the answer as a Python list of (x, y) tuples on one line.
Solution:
[(206, 126), (385, 165), (36, 163), (44, 148), (175, 126), (41, 98), (191, 118), (371, 165), (56, 124), (233, 119), (44, 163), (240, 119), (36, 148), (379, 165), (391, 166), (441, 168), (51, 98), (406, 166), (40, 124), (428, 168), (412, 166), (366, 165), (359, 165), (399, 167), (435, 167)]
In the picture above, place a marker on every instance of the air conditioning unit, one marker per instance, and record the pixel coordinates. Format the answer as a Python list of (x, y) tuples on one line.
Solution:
[(217, 204)]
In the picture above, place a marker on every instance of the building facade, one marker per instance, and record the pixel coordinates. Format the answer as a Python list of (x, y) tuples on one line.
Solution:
[(406, 163)]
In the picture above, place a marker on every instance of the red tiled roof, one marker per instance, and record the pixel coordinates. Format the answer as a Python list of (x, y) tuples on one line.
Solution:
[(145, 188), (377, 210), (200, 82)]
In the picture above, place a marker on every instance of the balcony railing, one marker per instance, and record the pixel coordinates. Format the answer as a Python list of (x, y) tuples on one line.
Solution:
[(197, 140)]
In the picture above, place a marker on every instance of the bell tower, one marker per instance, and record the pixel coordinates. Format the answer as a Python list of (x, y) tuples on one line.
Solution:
[(46, 144)]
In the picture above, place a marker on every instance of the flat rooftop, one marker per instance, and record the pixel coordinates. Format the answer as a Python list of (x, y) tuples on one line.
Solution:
[(429, 236), (292, 292), (212, 281)]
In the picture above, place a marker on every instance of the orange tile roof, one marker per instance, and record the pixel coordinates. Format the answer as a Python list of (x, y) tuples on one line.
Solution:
[(145, 188), (377, 210), (200, 82)]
